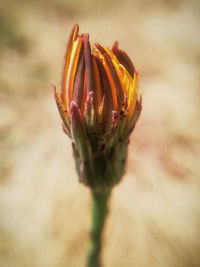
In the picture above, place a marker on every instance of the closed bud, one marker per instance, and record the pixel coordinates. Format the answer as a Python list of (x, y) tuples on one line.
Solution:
[(99, 105)]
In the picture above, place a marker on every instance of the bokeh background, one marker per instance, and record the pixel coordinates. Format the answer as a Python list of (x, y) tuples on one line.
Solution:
[(154, 215)]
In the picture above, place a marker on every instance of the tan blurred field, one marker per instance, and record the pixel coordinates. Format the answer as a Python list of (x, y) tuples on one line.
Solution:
[(154, 218)]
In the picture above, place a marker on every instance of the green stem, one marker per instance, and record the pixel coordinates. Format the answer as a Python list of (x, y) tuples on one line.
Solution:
[(99, 212)]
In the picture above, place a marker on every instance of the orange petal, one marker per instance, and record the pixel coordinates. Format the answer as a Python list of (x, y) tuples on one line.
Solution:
[(123, 58), (76, 49), (98, 94), (72, 38), (132, 97)]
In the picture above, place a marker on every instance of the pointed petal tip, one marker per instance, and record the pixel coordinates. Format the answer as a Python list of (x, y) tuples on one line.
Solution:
[(100, 48), (65, 130), (76, 26), (115, 46), (53, 86), (123, 58), (75, 31), (86, 36)]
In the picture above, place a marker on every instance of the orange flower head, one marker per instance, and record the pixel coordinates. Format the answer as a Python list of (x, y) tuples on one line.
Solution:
[(98, 102)]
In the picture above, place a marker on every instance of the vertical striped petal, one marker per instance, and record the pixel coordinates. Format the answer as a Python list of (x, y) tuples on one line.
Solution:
[(79, 83), (108, 100), (116, 86), (123, 59), (73, 37), (88, 64), (98, 89)]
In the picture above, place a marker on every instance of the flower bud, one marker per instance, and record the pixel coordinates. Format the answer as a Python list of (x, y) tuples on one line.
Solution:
[(99, 105)]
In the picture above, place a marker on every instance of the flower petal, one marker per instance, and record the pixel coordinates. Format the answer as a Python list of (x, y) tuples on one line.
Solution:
[(108, 100), (76, 50), (123, 59), (88, 64), (98, 89), (79, 83), (116, 86), (72, 38)]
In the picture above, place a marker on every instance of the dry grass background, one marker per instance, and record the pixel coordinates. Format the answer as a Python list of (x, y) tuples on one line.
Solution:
[(44, 212)]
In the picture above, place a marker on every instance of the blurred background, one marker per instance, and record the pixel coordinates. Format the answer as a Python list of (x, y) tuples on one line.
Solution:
[(154, 218)]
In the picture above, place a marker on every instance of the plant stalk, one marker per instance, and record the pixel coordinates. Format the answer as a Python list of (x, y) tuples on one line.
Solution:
[(99, 212)]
